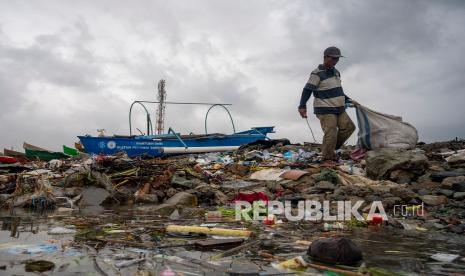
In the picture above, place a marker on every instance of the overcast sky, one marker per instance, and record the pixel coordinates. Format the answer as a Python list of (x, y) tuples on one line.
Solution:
[(68, 68)]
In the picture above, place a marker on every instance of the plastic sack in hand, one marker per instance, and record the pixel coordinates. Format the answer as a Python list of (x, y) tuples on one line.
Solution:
[(378, 130)]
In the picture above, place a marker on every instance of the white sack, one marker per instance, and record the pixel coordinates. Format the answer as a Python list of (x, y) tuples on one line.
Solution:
[(378, 130)]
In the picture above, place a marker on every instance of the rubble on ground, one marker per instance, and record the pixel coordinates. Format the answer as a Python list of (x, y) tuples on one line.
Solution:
[(178, 191)]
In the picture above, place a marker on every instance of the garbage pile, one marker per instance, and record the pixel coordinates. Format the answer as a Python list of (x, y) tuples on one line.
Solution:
[(190, 196)]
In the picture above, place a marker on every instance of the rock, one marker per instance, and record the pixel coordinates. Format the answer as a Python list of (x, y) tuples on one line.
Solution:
[(423, 192), (171, 192), (448, 182), (179, 181), (325, 186), (381, 162), (146, 198), (455, 229), (446, 192), (431, 185), (4, 197), (403, 192), (380, 189), (456, 158), (220, 198), (104, 181), (340, 250), (237, 169), (459, 187), (459, 195), (326, 175), (93, 196), (39, 266), (371, 198), (57, 192), (462, 225), (401, 176), (162, 209), (274, 186), (389, 202), (182, 199), (72, 191), (425, 177), (433, 200), (341, 191), (439, 176), (22, 200), (433, 225), (160, 194)]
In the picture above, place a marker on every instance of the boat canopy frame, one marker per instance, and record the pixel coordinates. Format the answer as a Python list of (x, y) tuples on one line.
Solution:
[(149, 120)]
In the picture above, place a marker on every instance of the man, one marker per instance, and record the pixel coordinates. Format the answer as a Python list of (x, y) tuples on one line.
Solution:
[(329, 104)]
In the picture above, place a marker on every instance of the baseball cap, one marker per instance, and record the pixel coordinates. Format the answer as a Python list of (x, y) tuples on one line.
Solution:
[(333, 52)]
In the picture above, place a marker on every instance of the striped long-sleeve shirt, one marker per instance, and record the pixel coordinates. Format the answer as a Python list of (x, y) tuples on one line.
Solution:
[(325, 84)]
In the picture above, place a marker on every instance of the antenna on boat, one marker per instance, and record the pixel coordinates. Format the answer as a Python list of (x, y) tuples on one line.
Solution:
[(161, 107)]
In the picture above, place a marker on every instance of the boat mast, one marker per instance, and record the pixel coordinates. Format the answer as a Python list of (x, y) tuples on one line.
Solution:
[(161, 106)]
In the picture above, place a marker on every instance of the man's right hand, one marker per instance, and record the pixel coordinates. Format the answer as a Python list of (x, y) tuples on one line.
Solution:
[(303, 112)]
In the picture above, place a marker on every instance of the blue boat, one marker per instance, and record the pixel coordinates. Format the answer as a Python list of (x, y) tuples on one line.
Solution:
[(172, 143)]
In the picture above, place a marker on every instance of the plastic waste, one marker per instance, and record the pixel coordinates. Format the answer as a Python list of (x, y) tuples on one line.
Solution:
[(376, 220), (55, 164), (207, 230), (378, 130), (237, 184), (64, 202), (266, 155), (213, 216), (291, 156), (293, 174), (291, 264), (251, 197), (167, 272), (267, 174), (60, 231), (175, 215), (358, 154), (227, 160), (129, 263), (271, 219), (333, 226), (444, 257), (339, 250), (33, 249), (305, 154)]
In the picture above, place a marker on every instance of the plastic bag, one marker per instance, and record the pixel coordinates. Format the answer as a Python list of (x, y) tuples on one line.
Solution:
[(378, 130), (339, 250)]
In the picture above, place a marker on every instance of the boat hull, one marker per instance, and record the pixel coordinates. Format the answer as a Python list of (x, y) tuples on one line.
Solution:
[(70, 151), (150, 145), (44, 155), (8, 160)]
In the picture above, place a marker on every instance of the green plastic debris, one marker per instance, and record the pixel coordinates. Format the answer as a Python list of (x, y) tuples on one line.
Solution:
[(331, 273), (70, 151)]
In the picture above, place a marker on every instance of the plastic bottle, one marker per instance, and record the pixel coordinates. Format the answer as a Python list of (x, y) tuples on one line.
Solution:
[(290, 156), (351, 167), (266, 155)]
